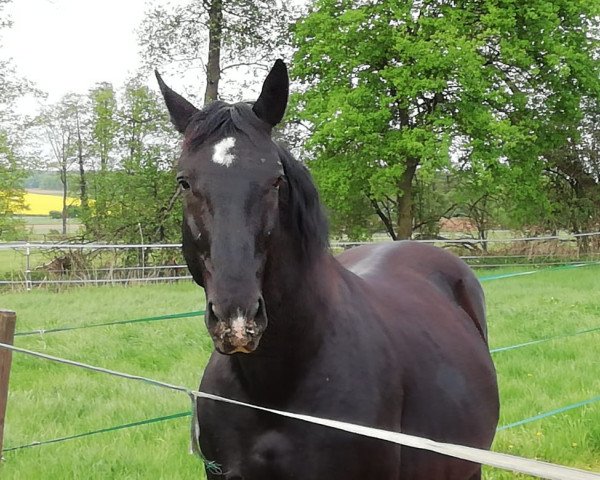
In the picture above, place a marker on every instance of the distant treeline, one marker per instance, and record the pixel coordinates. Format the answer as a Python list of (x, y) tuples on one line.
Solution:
[(46, 180)]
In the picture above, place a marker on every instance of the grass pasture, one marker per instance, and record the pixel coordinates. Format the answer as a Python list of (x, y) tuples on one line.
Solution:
[(13, 262), (40, 226), (48, 400)]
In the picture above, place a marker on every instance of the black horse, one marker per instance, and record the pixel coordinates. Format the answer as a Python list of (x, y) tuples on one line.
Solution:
[(391, 336)]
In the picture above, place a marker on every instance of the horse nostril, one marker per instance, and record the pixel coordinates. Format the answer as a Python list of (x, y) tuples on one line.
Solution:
[(216, 312), (261, 307), (211, 315)]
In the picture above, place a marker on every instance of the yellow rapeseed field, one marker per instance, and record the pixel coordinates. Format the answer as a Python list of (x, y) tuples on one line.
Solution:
[(42, 203)]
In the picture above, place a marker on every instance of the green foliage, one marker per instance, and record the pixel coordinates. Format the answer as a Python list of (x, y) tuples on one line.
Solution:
[(104, 122), (573, 174), (115, 151), (134, 195), (73, 211), (433, 200), (481, 88), (11, 191)]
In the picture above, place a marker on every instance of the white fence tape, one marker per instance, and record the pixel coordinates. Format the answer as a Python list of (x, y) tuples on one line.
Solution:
[(493, 459)]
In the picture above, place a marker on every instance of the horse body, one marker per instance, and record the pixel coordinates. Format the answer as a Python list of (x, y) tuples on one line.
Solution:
[(365, 365), (390, 336)]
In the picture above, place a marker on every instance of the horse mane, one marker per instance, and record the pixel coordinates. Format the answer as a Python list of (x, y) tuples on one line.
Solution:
[(305, 219)]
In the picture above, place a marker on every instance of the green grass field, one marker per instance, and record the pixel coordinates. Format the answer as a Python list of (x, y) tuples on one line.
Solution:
[(49, 400), (13, 262)]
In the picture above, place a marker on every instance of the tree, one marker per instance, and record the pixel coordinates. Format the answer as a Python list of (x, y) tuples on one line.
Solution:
[(397, 91), (242, 37), (62, 127), (79, 110), (135, 194), (12, 173), (11, 192), (573, 171), (104, 123), (433, 201)]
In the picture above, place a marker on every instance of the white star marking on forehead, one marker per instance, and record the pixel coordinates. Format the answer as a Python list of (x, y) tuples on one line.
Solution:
[(221, 154)]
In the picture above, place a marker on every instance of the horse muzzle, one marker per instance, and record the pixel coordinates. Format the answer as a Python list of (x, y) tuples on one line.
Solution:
[(237, 333)]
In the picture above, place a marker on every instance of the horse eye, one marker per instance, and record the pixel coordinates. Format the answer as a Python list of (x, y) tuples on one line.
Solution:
[(184, 184), (277, 183)]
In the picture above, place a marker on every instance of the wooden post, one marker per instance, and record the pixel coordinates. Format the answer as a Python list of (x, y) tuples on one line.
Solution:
[(27, 267), (8, 320)]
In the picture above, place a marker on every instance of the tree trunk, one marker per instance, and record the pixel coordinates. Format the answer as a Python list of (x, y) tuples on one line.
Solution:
[(213, 66), (63, 178), (583, 246), (103, 157), (405, 200), (482, 233), (581, 217), (132, 144), (480, 216), (82, 182)]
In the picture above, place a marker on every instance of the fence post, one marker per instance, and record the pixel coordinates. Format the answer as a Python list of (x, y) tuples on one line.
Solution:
[(8, 320), (27, 266), (142, 250)]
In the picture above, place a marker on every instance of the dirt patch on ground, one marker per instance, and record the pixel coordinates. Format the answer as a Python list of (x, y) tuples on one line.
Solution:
[(457, 225)]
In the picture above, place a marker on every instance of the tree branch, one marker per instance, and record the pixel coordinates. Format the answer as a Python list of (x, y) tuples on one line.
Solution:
[(386, 220)]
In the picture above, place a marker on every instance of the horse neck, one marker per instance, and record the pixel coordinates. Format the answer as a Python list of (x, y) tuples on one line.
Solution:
[(297, 290), (298, 299)]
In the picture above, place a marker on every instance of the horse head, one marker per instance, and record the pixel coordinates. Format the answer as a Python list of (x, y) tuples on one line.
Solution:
[(233, 180)]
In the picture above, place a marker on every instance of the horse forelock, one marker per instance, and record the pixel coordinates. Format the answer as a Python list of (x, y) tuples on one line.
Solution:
[(220, 120)]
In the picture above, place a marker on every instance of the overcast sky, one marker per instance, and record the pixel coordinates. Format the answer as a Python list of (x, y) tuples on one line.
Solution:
[(70, 45)]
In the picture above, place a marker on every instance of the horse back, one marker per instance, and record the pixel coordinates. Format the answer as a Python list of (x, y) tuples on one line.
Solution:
[(389, 264)]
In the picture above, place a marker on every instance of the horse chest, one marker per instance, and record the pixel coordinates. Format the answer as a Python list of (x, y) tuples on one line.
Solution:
[(255, 446)]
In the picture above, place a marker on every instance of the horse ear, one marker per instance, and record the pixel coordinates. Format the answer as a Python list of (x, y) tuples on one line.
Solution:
[(273, 98), (180, 109)]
